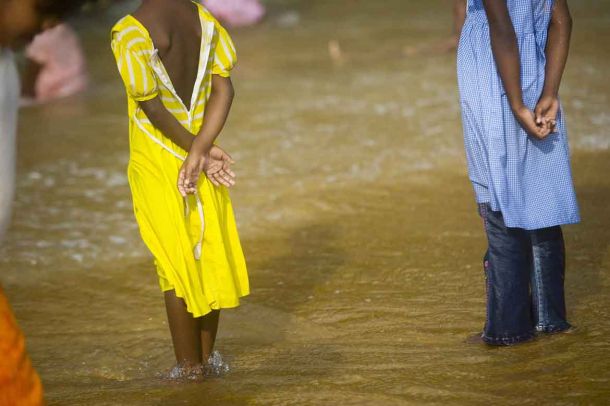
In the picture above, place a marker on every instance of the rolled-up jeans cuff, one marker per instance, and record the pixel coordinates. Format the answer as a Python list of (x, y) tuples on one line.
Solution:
[(553, 328), (508, 340)]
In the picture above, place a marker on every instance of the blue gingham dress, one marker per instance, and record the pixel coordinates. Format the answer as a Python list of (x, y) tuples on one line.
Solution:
[(528, 180)]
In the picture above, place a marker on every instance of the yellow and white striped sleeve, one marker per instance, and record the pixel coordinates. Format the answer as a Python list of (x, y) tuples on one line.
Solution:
[(225, 57), (132, 54)]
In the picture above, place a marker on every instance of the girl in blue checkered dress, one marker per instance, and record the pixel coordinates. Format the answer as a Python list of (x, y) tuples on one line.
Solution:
[(511, 57)]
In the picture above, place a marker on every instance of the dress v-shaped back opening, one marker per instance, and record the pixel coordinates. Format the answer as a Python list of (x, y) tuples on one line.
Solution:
[(199, 58)]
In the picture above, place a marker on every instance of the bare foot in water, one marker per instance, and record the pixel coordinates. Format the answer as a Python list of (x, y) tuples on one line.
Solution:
[(187, 372), (216, 366)]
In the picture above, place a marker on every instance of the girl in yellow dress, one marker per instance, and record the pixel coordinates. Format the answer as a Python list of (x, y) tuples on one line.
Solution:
[(175, 61)]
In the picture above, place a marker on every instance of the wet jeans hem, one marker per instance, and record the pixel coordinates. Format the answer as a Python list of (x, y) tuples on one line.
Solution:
[(508, 340), (553, 328)]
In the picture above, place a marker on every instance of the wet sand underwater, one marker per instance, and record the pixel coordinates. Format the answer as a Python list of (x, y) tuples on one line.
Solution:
[(356, 216)]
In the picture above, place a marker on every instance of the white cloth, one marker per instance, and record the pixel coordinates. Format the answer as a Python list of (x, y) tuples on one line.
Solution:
[(9, 102)]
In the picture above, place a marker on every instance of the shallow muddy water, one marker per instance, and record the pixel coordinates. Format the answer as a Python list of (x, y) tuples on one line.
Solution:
[(357, 220)]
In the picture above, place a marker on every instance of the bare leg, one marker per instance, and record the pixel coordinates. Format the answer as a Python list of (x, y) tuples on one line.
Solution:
[(185, 331), (209, 328)]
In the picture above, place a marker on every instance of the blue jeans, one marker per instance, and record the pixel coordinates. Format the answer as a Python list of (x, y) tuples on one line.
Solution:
[(524, 272)]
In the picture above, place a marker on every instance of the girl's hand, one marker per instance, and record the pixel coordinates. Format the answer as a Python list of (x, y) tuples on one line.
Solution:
[(188, 176), (546, 112), (527, 120), (216, 165), (219, 170)]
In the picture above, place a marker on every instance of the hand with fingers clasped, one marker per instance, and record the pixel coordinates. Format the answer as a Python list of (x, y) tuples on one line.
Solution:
[(546, 112), (216, 165), (527, 120)]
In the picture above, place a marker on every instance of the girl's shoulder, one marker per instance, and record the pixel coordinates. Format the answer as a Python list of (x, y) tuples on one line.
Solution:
[(205, 14), (208, 17), (128, 31)]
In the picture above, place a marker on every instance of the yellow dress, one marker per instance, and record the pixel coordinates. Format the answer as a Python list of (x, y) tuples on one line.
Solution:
[(194, 241)]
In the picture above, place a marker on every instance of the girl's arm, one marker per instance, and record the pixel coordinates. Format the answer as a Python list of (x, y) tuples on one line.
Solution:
[(216, 113), (506, 55), (219, 162), (557, 48), (459, 16), (165, 122)]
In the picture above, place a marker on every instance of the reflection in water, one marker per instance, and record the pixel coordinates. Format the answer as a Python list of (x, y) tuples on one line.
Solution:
[(356, 217)]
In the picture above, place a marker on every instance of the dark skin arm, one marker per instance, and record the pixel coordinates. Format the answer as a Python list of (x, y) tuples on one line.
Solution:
[(165, 122), (506, 55), (557, 49), (29, 77), (219, 171), (216, 113), (459, 16)]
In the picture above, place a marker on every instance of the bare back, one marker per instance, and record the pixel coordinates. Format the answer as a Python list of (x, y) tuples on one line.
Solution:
[(175, 29)]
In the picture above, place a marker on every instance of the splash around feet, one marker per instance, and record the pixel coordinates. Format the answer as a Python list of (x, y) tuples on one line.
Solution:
[(216, 366)]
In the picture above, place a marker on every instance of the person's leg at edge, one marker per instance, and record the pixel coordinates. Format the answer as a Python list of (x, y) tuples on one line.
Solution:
[(184, 329), (209, 328), (507, 277), (548, 274)]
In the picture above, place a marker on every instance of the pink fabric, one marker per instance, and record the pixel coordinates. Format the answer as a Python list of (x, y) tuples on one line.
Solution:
[(236, 12), (64, 70)]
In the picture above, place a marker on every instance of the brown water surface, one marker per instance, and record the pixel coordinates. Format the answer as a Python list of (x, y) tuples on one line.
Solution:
[(356, 215)]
